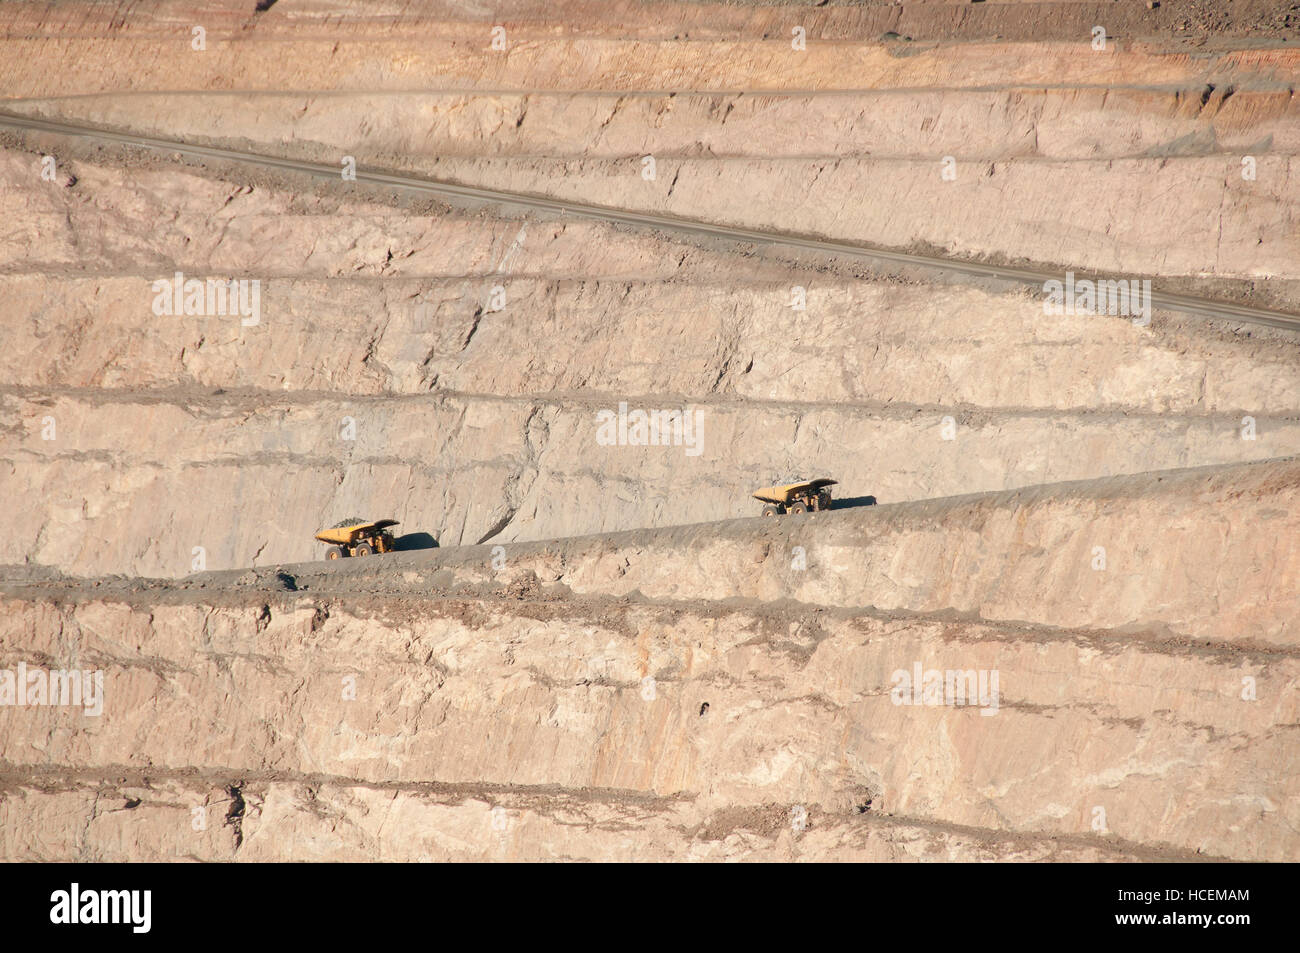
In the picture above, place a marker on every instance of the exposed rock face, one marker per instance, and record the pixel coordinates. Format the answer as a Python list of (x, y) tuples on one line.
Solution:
[(1067, 633), (475, 469), (706, 682), (408, 395)]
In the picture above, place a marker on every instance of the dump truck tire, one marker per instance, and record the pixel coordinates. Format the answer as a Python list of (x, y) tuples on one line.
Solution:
[(771, 510), (363, 549), (335, 552), (800, 507)]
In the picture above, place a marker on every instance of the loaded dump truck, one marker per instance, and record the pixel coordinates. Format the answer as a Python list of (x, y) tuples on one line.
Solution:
[(811, 495), (354, 537)]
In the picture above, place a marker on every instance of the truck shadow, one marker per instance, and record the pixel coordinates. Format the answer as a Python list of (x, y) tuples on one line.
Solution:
[(411, 541), (846, 502)]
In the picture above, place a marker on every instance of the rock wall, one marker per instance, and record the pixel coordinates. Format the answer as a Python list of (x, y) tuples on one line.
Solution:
[(701, 694)]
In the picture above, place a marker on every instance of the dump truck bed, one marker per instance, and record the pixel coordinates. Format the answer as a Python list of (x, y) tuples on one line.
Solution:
[(784, 494), (346, 535)]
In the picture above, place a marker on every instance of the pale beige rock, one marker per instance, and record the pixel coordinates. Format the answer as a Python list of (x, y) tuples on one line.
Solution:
[(1123, 690), (891, 343), (325, 821), (680, 686), (131, 484)]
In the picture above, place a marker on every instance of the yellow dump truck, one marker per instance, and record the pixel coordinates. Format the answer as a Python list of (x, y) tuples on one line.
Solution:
[(356, 537), (812, 495)]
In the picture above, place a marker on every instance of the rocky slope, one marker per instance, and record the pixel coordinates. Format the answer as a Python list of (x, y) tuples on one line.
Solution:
[(610, 656), (374, 380), (683, 691)]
